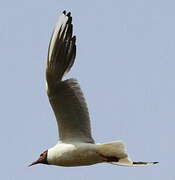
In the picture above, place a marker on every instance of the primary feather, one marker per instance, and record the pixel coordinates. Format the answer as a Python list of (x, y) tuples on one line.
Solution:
[(66, 97)]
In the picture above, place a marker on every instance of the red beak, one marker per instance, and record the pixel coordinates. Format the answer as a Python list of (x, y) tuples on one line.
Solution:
[(35, 162)]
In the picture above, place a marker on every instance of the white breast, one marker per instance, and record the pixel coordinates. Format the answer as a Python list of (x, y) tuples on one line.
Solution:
[(74, 154)]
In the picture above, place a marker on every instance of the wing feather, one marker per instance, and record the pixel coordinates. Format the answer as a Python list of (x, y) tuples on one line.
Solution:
[(66, 97), (71, 112)]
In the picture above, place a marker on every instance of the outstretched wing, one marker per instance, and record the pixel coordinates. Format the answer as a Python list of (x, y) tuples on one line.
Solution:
[(66, 97)]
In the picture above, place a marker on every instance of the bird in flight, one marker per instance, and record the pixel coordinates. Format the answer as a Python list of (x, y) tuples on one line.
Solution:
[(76, 146)]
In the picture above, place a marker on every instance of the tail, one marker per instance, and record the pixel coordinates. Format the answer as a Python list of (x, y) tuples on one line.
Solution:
[(115, 153), (62, 50)]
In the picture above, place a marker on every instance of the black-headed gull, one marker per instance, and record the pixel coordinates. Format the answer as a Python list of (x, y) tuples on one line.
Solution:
[(76, 146)]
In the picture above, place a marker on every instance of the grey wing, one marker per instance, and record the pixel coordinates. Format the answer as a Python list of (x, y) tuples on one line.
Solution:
[(71, 112), (66, 97)]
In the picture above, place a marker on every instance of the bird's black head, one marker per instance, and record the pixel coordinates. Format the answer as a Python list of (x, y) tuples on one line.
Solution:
[(42, 159)]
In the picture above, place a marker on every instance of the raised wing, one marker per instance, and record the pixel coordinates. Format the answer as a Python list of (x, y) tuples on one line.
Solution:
[(66, 97)]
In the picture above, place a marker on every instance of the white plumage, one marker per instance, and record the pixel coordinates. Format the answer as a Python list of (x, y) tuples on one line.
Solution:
[(76, 146)]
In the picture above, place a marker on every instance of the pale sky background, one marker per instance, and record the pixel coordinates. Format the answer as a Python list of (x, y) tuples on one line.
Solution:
[(126, 67)]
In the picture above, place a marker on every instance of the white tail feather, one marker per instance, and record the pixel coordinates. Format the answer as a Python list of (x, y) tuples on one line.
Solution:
[(117, 151)]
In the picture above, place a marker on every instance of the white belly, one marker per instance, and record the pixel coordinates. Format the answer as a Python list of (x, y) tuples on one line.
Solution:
[(77, 154)]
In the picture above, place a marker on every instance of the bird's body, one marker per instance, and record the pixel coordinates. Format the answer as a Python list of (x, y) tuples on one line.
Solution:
[(76, 146), (75, 154), (80, 154)]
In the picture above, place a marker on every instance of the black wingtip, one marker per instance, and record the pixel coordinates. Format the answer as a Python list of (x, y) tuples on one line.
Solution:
[(155, 162), (69, 14), (144, 163), (73, 39), (69, 20)]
